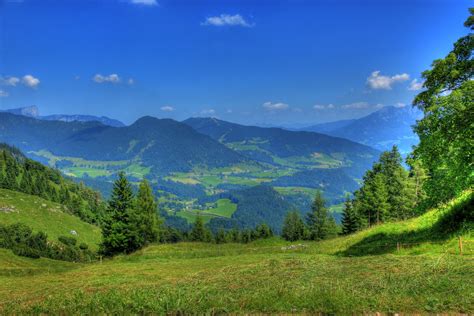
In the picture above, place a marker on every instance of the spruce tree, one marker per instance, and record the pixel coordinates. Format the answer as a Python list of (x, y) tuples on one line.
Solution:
[(350, 220), (146, 210), (293, 227), (199, 232), (120, 230), (320, 223)]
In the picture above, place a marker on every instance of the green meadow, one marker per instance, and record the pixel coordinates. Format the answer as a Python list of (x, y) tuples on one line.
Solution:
[(361, 273)]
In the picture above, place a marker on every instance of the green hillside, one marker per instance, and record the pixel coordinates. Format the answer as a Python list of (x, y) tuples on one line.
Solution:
[(268, 276), (46, 216)]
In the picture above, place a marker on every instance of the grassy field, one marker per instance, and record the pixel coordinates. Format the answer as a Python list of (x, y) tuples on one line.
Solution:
[(46, 216), (263, 276), (223, 208)]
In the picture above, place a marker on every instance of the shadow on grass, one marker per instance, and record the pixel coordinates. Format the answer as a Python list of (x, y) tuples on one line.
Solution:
[(459, 217)]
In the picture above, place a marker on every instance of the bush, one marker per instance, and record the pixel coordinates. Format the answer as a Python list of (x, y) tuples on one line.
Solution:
[(83, 246), (25, 251), (68, 241)]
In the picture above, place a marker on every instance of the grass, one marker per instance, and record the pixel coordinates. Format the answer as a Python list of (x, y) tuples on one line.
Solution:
[(46, 216), (223, 208), (260, 277)]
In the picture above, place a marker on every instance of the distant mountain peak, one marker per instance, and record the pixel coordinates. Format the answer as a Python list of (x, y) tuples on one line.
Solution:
[(31, 111)]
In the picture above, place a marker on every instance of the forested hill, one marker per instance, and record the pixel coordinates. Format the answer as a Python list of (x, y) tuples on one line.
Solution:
[(272, 144), (19, 173), (162, 144)]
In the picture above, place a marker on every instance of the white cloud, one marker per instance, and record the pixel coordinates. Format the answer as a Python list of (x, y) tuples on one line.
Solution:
[(9, 81), (400, 105), (208, 112), (3, 94), (275, 106), (323, 107), (167, 108), (113, 78), (227, 19), (30, 81), (130, 81), (145, 2), (415, 85), (377, 81), (356, 105)]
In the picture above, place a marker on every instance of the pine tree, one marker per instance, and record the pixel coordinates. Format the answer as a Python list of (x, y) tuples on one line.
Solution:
[(221, 236), (120, 232), (350, 220), (263, 231), (199, 232), (396, 182), (147, 212), (293, 227), (320, 223)]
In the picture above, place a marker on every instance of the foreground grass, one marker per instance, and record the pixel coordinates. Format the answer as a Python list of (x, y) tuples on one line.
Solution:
[(344, 275), (259, 277)]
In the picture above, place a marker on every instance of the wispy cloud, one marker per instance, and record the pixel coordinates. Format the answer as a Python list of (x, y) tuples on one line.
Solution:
[(150, 3), (208, 112), (112, 78), (400, 105), (377, 81), (356, 105), (323, 106), (3, 94), (415, 85), (275, 106), (27, 80), (227, 20), (9, 81), (167, 108)]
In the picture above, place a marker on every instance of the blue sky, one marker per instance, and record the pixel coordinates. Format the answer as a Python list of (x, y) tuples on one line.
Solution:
[(265, 62)]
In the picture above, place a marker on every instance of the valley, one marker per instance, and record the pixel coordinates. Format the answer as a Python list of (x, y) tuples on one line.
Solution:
[(219, 158)]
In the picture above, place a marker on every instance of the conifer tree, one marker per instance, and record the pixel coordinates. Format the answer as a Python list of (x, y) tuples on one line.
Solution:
[(220, 236), (199, 232), (350, 220), (320, 223), (120, 229), (293, 227), (146, 209)]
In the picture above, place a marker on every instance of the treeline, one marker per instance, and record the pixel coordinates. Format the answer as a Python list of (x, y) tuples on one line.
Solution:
[(388, 192), (318, 224), (23, 242), (19, 173), (442, 164), (132, 222)]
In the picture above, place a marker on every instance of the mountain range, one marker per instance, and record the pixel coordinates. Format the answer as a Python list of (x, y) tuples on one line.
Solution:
[(194, 164), (33, 111), (382, 129)]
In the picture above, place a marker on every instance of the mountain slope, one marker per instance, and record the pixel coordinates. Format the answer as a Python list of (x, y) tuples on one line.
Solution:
[(163, 145), (33, 111), (326, 128), (282, 147), (45, 216), (382, 129), (83, 118)]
